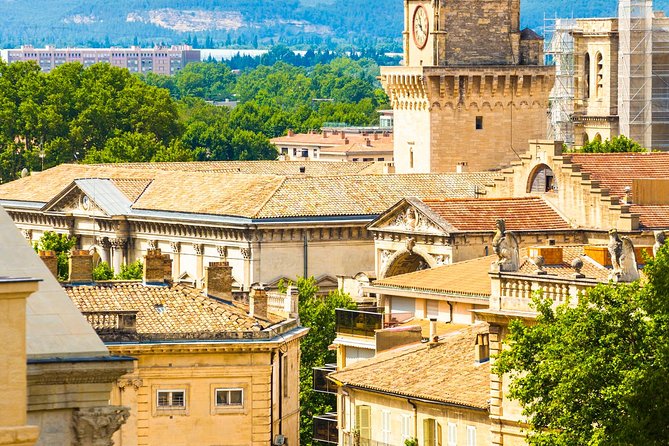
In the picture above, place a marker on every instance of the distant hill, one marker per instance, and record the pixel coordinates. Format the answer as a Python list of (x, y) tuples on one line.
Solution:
[(241, 23)]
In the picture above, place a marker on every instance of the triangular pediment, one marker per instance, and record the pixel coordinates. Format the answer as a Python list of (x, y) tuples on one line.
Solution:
[(410, 216), (90, 196), (72, 200)]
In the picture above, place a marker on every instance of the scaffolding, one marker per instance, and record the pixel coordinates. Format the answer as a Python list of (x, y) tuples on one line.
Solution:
[(559, 51), (635, 70)]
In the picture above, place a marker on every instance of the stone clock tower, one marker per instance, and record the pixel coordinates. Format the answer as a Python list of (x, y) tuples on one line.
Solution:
[(473, 89)]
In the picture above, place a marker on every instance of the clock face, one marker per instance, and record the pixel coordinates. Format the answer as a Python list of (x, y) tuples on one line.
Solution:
[(421, 27)]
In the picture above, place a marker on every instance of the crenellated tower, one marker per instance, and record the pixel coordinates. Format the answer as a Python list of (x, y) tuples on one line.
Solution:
[(473, 89)]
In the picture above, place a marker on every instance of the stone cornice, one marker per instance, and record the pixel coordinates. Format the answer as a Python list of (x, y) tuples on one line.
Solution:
[(77, 372)]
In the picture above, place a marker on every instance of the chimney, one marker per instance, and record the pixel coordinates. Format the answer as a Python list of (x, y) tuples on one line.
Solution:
[(80, 267), (343, 135), (461, 167), (167, 267), (376, 136), (325, 134), (51, 261), (154, 268), (368, 142), (219, 280), (258, 302), (291, 133), (346, 141), (434, 338)]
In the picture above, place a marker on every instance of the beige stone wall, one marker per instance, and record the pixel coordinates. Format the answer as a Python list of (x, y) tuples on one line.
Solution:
[(199, 374), (399, 407)]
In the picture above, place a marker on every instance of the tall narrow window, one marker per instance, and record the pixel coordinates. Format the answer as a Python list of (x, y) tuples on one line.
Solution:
[(471, 435), (284, 378), (600, 75), (586, 76), (479, 123), (363, 423), (452, 434), (406, 427), (386, 426), (431, 432), (411, 158)]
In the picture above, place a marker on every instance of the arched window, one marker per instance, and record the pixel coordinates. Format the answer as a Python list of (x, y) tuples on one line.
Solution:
[(597, 138), (542, 180), (600, 75), (586, 76), (586, 138)]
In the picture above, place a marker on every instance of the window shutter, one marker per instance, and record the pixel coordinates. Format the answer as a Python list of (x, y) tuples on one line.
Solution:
[(406, 427), (438, 434), (471, 436), (428, 432), (363, 423), (452, 434), (386, 426)]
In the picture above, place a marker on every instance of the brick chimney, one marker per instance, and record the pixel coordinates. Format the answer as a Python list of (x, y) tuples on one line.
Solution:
[(80, 267), (167, 267), (154, 268), (343, 135), (258, 302), (219, 280), (368, 142), (291, 133), (51, 261)]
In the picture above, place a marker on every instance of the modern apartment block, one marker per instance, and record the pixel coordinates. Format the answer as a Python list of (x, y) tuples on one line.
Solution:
[(159, 60)]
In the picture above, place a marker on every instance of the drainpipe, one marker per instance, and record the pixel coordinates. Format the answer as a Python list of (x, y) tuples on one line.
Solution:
[(271, 401), (450, 320)]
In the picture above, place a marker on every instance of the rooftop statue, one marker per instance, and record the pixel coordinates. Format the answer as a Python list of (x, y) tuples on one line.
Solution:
[(623, 258), (505, 245)]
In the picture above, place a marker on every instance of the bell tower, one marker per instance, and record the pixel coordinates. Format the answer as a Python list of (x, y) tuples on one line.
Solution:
[(472, 88)]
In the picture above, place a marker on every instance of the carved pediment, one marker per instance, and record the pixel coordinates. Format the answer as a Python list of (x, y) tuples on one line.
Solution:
[(406, 217), (74, 201)]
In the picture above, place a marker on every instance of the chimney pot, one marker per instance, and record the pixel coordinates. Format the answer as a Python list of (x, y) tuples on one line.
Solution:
[(346, 141), (80, 267), (343, 135), (291, 133), (434, 338), (368, 142), (154, 267), (258, 302), (219, 280)]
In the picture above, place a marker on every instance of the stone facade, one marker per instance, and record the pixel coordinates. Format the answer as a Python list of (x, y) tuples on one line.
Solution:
[(473, 83)]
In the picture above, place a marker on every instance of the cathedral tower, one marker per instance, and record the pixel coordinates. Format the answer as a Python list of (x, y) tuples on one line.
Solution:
[(473, 89)]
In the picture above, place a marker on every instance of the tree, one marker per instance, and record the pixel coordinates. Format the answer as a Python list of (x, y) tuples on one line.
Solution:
[(61, 244), (617, 144), (318, 314), (596, 373), (131, 271), (103, 272)]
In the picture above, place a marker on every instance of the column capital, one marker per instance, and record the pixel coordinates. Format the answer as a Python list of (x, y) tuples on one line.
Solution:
[(222, 251), (176, 247), (199, 248), (246, 253), (94, 426), (118, 243)]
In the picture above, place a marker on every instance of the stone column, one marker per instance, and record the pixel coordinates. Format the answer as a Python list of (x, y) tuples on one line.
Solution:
[(176, 266), (199, 264), (103, 242), (13, 380), (118, 253), (94, 426), (246, 255)]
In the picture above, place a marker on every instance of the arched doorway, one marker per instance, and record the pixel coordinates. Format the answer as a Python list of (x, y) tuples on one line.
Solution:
[(405, 261), (542, 180)]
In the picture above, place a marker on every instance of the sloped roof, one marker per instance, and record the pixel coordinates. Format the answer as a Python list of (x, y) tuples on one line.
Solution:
[(252, 196), (652, 216), (319, 139), (443, 373), (468, 278), (54, 326), (615, 171), (521, 214), (164, 310)]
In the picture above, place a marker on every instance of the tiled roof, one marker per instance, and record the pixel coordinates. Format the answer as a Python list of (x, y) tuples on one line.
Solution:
[(183, 310), (283, 168), (591, 269), (652, 216), (521, 214), (616, 171), (251, 195), (444, 373), (131, 188), (385, 148), (467, 278), (318, 139)]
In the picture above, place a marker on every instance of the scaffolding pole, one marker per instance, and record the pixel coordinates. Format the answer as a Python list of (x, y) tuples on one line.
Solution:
[(635, 70), (559, 51)]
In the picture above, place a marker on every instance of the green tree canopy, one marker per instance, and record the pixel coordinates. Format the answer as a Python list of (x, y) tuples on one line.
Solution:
[(596, 373), (617, 144), (61, 244)]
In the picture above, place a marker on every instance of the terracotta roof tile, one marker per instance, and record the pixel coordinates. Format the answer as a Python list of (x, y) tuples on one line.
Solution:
[(615, 171), (131, 188), (445, 373), (652, 216), (185, 310), (317, 139), (468, 278), (521, 214)]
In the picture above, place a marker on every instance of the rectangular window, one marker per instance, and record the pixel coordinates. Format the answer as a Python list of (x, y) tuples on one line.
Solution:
[(171, 399), (386, 426), (471, 435), (229, 397), (431, 432), (452, 434), (284, 369), (479, 123), (406, 427), (363, 423)]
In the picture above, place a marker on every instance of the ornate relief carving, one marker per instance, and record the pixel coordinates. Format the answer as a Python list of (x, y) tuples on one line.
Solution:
[(386, 254), (153, 244), (413, 221), (118, 243), (176, 247), (222, 251), (246, 253), (28, 234), (199, 248), (94, 426), (442, 259), (136, 383), (103, 242)]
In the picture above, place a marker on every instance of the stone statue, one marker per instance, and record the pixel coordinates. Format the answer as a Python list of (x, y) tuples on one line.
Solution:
[(660, 238), (410, 244), (623, 258), (577, 264), (505, 245)]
